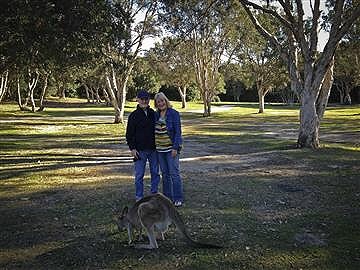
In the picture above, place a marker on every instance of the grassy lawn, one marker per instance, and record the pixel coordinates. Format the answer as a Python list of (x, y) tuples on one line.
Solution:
[(65, 172)]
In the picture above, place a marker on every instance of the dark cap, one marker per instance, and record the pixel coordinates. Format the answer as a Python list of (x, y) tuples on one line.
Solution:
[(143, 94)]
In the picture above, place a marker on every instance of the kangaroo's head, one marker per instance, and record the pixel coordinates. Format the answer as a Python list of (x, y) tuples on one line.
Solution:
[(122, 220)]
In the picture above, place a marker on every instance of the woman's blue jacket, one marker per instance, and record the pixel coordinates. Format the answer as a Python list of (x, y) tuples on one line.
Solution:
[(173, 125)]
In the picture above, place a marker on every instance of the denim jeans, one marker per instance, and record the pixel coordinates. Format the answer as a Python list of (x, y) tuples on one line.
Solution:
[(140, 166), (172, 184)]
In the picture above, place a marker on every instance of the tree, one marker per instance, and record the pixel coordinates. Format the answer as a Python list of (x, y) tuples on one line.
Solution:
[(172, 60), (144, 77), (43, 39), (259, 62), (206, 25), (4, 84), (233, 80), (27, 30), (124, 46), (347, 68), (313, 83)]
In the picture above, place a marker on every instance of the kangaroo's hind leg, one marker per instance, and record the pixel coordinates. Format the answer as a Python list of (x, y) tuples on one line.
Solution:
[(152, 239), (147, 218)]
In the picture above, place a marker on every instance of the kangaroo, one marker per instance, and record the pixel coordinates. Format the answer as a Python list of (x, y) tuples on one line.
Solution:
[(154, 213)]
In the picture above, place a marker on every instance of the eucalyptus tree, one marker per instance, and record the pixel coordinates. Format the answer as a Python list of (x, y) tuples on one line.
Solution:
[(4, 83), (266, 72), (346, 72), (206, 26), (26, 30), (172, 59), (347, 68), (131, 23), (259, 62), (144, 77), (233, 79), (313, 81), (81, 32), (44, 38)]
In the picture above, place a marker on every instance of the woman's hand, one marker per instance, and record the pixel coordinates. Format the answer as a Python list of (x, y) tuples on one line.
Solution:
[(135, 153)]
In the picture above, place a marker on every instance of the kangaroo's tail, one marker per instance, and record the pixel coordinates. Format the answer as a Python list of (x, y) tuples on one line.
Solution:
[(180, 225)]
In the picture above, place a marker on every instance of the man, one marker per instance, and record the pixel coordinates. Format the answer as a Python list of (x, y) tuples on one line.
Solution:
[(140, 137)]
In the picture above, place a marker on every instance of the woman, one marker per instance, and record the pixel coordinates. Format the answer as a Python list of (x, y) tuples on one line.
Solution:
[(168, 145)]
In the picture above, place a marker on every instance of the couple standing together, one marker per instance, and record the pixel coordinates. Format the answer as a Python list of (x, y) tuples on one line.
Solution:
[(156, 136)]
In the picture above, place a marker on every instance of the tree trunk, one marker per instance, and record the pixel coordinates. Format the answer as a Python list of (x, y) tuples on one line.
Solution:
[(114, 101), (122, 98), (347, 97), (341, 97), (43, 93), (323, 97), (31, 87), (106, 97), (3, 86), (87, 92), (123, 91), (208, 108), (205, 103), (97, 96), (92, 95), (309, 123), (261, 101), (19, 92), (182, 93), (32, 100), (61, 91)]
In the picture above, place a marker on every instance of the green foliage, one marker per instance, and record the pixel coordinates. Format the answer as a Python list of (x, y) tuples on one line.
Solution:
[(143, 77), (233, 80), (172, 59), (347, 59)]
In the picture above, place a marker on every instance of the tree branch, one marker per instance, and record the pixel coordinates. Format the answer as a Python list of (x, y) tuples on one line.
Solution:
[(268, 11), (314, 28), (300, 33)]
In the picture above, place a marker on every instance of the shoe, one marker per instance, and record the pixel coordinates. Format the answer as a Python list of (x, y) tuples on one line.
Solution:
[(178, 204)]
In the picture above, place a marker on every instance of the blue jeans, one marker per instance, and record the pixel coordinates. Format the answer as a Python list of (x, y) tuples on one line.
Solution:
[(172, 184), (140, 166)]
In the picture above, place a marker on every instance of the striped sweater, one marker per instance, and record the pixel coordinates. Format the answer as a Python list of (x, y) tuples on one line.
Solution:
[(162, 139)]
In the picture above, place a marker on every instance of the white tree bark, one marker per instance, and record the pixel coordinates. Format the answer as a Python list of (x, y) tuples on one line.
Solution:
[(309, 122), (87, 93), (309, 86), (111, 90), (43, 94), (261, 95), (4, 84), (324, 93), (182, 93), (127, 55), (207, 76), (33, 78)]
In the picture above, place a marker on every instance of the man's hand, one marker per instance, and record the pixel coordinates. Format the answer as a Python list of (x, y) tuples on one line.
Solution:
[(135, 153), (173, 153)]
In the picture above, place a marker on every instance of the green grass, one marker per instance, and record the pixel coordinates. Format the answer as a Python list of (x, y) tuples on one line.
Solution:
[(65, 171)]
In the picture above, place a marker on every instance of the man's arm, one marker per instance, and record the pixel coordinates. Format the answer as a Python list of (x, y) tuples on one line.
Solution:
[(130, 132)]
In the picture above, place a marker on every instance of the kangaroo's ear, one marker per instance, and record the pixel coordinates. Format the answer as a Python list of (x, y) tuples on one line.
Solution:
[(125, 211)]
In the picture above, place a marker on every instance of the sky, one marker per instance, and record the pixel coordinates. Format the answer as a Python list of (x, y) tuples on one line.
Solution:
[(323, 36)]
